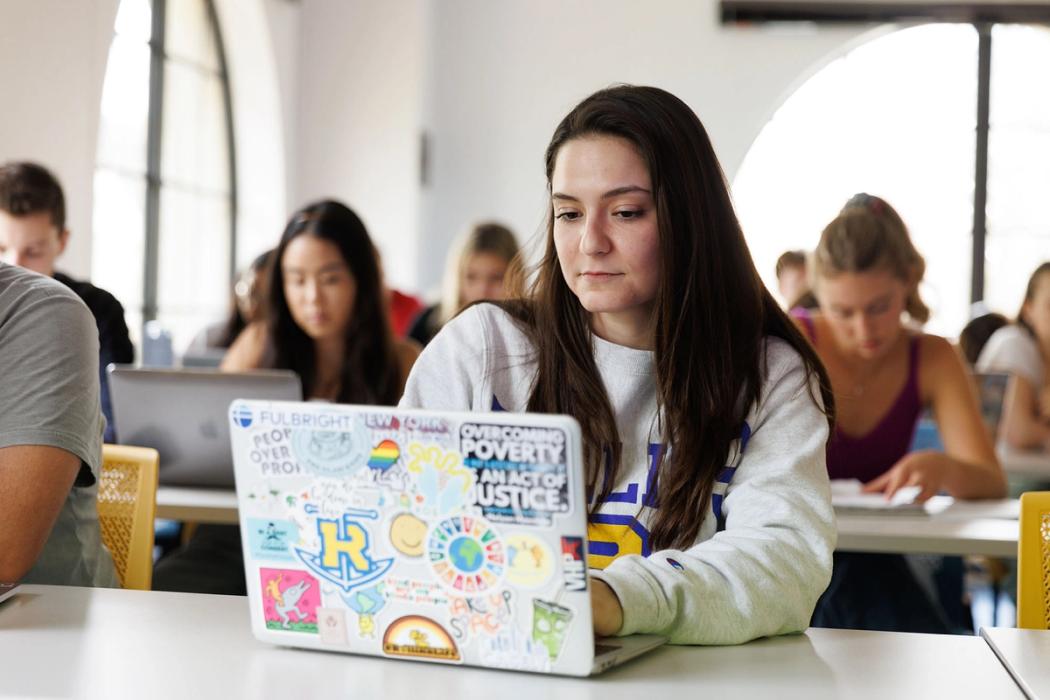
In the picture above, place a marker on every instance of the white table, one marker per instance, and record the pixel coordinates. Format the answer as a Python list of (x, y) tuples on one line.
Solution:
[(60, 642), (1025, 654), (966, 528), (1032, 464), (197, 504)]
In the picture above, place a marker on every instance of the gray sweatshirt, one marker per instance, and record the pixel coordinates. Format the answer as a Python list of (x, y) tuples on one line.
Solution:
[(763, 554)]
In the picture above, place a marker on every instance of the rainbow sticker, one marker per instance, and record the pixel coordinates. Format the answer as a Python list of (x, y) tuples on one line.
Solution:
[(384, 455)]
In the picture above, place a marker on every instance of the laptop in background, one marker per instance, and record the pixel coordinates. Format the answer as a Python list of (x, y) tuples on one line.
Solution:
[(210, 359), (991, 392), (182, 414), (453, 538)]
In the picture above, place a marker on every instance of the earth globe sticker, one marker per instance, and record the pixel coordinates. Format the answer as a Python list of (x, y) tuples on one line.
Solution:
[(466, 555)]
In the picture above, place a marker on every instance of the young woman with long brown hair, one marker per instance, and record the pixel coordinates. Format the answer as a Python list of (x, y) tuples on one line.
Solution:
[(703, 409), (325, 318)]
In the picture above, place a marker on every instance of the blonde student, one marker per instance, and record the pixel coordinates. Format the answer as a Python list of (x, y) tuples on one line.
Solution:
[(884, 374), (475, 269), (702, 408)]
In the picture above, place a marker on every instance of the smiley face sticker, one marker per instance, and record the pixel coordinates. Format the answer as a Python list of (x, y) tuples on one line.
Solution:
[(408, 534)]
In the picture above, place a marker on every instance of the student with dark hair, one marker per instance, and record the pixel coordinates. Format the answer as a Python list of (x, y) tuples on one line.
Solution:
[(975, 335), (33, 234), (883, 374), (475, 269), (50, 436), (793, 281), (249, 292), (325, 317), (702, 407), (1022, 349)]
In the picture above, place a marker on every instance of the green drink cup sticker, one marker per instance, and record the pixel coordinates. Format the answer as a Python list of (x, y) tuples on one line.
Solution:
[(550, 622)]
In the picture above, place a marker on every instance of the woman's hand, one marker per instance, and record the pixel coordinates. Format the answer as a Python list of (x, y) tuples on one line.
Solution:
[(926, 469), (605, 609), (1044, 404)]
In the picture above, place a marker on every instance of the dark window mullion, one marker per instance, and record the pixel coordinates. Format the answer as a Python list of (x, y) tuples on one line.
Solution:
[(231, 151), (980, 186), (153, 156)]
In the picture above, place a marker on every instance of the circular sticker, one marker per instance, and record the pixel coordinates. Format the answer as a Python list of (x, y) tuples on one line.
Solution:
[(466, 554), (331, 452), (530, 563)]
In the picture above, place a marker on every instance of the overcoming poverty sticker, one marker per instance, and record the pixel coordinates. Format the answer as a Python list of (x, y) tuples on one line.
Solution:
[(521, 472)]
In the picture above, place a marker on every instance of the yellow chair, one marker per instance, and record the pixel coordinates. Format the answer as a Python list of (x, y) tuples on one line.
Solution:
[(127, 504), (1033, 562)]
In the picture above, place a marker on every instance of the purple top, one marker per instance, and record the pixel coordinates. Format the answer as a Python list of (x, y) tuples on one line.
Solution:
[(870, 455)]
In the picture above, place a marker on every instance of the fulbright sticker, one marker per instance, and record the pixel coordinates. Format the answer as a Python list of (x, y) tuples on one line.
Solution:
[(521, 472)]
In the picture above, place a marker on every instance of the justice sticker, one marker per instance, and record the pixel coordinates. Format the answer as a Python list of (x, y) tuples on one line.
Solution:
[(466, 555), (522, 475), (419, 637), (290, 600)]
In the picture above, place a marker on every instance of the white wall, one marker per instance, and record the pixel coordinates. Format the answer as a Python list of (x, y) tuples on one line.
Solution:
[(351, 84), (360, 94), (52, 63), (502, 74)]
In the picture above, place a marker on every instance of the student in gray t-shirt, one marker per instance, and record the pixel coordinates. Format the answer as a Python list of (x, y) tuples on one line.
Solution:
[(50, 435)]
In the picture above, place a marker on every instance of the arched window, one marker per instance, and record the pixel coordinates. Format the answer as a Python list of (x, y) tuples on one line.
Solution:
[(897, 117), (164, 202)]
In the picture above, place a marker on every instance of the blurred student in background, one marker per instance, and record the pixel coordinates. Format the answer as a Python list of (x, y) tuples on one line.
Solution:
[(793, 281), (975, 334), (867, 273), (325, 317), (246, 302), (33, 234), (475, 269), (1022, 349)]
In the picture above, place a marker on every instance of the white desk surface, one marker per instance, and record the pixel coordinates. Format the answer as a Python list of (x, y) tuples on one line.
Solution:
[(62, 642), (966, 527), (197, 504), (1025, 654), (1034, 464)]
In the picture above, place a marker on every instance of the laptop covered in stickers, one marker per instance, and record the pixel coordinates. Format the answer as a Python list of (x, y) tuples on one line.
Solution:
[(453, 538)]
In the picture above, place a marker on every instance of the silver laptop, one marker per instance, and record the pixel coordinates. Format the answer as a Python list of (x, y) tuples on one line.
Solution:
[(453, 538), (182, 414)]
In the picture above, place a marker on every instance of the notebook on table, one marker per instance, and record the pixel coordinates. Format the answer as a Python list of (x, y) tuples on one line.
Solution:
[(181, 413), (7, 590), (848, 498), (452, 538)]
